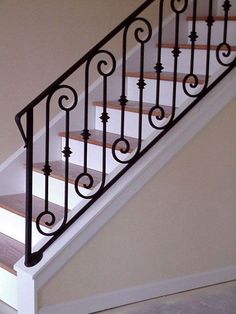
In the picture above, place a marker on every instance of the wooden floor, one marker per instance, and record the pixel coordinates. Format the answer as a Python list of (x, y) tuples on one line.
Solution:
[(218, 299)]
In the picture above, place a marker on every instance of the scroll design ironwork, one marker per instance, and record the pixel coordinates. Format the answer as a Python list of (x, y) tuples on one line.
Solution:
[(160, 120), (224, 48), (141, 85)]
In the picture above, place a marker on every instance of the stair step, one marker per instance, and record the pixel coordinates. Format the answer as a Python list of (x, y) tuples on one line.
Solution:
[(166, 86), (58, 172), (217, 30), (96, 138), (10, 252), (197, 46), (16, 204), (133, 106), (200, 58), (166, 76), (216, 18)]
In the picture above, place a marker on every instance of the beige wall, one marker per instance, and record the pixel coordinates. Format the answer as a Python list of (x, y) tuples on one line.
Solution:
[(182, 222), (40, 39)]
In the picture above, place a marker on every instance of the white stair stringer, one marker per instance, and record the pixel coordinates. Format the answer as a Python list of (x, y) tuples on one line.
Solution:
[(124, 189), (8, 288)]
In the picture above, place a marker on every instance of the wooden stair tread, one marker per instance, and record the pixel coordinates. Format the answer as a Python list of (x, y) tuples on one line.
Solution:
[(11, 251), (16, 204), (216, 18), (197, 46), (167, 76), (96, 139), (133, 106), (58, 172)]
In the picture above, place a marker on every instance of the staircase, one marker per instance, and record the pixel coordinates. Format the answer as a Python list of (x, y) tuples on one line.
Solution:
[(122, 129)]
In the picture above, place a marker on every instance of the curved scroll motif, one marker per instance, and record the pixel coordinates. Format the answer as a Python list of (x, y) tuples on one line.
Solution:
[(142, 36), (140, 30), (105, 69), (157, 113), (104, 63), (175, 6), (65, 98), (193, 81), (157, 110), (49, 223), (224, 50)]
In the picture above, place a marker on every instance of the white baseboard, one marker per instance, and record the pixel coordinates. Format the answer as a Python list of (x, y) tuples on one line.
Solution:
[(151, 290)]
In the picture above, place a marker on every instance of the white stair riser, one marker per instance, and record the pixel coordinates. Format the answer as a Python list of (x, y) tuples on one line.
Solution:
[(8, 288), (149, 95), (184, 61), (217, 32), (94, 159), (13, 226), (131, 123), (56, 190)]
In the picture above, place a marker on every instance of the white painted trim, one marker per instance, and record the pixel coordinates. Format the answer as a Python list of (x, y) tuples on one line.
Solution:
[(8, 288), (26, 294), (147, 291)]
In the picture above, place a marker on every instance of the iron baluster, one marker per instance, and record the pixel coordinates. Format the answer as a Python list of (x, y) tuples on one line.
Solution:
[(123, 99), (30, 258), (225, 47), (159, 69), (210, 21), (141, 84), (176, 52), (193, 37), (29, 187), (85, 135), (226, 6), (66, 152), (104, 119), (47, 168)]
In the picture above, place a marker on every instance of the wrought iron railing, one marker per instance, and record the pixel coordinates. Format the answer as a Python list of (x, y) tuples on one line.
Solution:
[(106, 68)]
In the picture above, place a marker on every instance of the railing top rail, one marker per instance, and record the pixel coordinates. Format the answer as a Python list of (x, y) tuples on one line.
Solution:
[(74, 67)]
